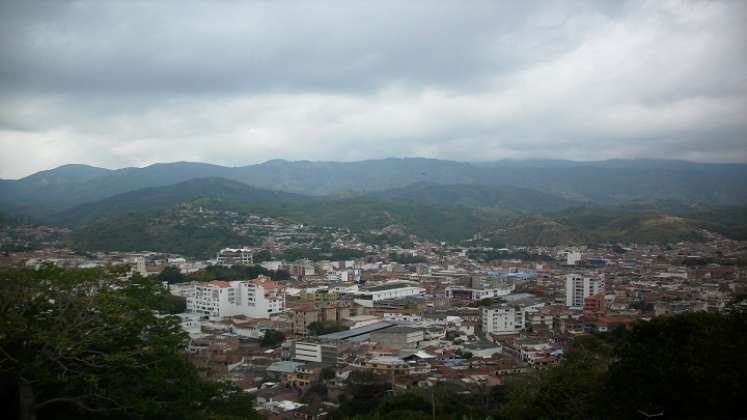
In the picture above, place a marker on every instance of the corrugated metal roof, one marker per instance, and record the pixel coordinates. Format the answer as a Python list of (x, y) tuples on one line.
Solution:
[(344, 335), (285, 366)]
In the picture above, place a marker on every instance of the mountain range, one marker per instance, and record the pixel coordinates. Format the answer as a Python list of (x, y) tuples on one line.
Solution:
[(532, 202), (604, 182)]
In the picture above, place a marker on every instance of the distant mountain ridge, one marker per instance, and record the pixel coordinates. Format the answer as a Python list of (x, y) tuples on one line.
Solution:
[(478, 195), (605, 182), (361, 213), (165, 197), (437, 212)]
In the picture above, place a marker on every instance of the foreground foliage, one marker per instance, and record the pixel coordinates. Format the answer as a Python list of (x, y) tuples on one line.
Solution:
[(691, 366), (82, 343)]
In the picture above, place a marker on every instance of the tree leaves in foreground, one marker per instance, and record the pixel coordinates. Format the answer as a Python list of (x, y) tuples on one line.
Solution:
[(80, 343), (691, 366)]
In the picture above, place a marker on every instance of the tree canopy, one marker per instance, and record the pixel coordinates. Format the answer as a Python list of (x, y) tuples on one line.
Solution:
[(172, 275), (325, 327), (691, 366), (272, 338), (80, 343)]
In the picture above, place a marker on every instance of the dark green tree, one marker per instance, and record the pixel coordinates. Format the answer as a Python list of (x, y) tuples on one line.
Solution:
[(262, 256), (327, 373), (80, 343), (325, 327), (570, 390), (404, 402), (366, 390), (692, 366), (171, 275), (272, 338)]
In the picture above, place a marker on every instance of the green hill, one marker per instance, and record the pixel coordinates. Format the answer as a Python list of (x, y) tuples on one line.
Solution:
[(475, 195), (150, 218), (583, 226), (216, 190), (605, 183)]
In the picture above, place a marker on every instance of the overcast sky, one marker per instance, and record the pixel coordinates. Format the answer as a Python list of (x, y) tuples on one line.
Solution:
[(118, 84)]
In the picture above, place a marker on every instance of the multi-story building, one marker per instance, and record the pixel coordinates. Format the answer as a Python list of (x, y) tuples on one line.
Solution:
[(304, 314), (304, 375), (344, 276), (232, 256), (388, 365), (398, 337), (578, 287), (503, 319), (258, 298), (306, 351), (594, 304)]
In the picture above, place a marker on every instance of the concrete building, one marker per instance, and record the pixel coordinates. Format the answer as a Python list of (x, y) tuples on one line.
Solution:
[(303, 315), (573, 257), (594, 304), (344, 276), (258, 298), (503, 319), (388, 365), (313, 352), (140, 266), (234, 256), (398, 337), (578, 287), (369, 296), (475, 294)]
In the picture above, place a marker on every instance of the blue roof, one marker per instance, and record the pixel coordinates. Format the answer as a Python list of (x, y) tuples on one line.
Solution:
[(522, 274)]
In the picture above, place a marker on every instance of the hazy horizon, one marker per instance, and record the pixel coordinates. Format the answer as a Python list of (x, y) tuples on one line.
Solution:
[(477, 162), (115, 84)]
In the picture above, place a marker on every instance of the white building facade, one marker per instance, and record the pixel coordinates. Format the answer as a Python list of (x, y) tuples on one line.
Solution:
[(234, 256), (258, 298), (578, 287), (502, 319), (344, 276)]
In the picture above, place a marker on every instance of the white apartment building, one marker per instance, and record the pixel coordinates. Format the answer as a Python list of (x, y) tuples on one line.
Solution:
[(313, 352), (578, 287), (503, 319), (258, 298), (573, 257), (140, 266), (369, 296), (234, 256), (344, 276)]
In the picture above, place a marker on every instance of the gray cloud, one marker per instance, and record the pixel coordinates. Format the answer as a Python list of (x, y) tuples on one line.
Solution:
[(132, 83)]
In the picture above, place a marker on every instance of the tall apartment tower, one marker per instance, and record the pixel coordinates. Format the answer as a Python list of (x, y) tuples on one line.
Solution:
[(578, 287)]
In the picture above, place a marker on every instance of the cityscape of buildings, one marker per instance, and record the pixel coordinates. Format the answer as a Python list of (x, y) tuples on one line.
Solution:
[(443, 316)]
